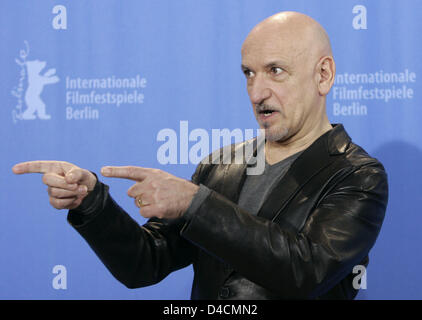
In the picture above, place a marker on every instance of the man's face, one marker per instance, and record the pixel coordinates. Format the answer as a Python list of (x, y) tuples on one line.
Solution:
[(280, 82)]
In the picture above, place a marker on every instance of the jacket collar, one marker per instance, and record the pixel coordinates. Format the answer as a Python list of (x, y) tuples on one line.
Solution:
[(320, 154)]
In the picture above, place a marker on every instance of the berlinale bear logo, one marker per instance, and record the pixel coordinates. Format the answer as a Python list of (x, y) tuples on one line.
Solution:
[(31, 70)]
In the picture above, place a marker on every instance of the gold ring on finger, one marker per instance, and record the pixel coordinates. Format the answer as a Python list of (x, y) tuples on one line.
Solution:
[(141, 203)]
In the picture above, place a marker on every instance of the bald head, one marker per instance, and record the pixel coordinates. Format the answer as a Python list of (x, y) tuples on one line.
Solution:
[(304, 35)]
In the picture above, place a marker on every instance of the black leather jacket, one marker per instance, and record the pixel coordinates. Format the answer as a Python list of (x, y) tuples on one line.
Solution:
[(320, 221)]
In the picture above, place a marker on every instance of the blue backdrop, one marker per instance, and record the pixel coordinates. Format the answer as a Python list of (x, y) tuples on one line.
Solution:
[(94, 82)]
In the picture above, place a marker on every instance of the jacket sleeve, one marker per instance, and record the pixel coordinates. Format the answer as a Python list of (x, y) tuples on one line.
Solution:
[(338, 235), (136, 255)]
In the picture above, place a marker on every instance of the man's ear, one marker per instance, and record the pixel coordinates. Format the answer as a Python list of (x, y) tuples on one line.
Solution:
[(326, 70)]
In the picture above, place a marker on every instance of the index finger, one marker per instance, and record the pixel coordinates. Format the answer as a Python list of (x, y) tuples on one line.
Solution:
[(126, 172), (37, 167)]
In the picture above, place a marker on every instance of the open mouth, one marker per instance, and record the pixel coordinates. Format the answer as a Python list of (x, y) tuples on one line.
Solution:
[(266, 113)]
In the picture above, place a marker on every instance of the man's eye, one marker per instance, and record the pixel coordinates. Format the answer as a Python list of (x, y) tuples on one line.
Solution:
[(276, 70), (248, 73)]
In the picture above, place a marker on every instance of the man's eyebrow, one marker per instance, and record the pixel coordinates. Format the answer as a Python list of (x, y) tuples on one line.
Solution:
[(276, 63), (268, 65)]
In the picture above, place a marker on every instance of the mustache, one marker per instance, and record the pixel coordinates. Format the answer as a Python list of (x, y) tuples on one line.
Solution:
[(261, 107)]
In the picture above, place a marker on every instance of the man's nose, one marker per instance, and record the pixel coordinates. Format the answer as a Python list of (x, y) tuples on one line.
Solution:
[(259, 91)]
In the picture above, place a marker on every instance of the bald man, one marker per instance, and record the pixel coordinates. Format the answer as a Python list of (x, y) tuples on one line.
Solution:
[(296, 231)]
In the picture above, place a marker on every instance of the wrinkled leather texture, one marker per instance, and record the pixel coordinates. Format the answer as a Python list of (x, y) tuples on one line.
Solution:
[(320, 221)]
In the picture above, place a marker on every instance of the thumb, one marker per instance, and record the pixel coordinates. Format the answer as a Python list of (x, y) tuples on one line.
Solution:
[(74, 175), (81, 177)]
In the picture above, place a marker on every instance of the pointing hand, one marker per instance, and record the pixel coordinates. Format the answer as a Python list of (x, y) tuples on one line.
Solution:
[(157, 193), (67, 184)]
